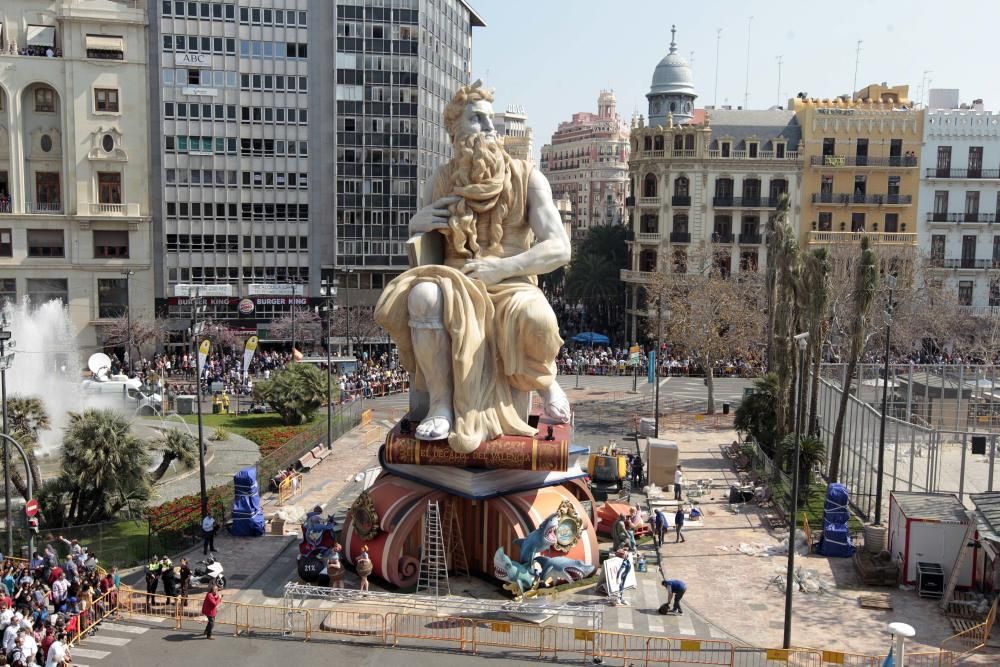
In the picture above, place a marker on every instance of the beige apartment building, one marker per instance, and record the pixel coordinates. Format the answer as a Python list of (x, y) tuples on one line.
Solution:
[(74, 138)]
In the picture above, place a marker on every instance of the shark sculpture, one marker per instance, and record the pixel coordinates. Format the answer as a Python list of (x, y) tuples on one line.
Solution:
[(560, 568), (520, 581), (538, 540)]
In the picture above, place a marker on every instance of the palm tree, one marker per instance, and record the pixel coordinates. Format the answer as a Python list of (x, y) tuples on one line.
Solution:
[(27, 417), (104, 466), (756, 415), (594, 278), (176, 445), (865, 286), (816, 279), (774, 240), (295, 392)]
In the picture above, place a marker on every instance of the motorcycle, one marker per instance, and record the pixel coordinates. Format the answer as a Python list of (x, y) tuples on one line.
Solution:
[(211, 572)]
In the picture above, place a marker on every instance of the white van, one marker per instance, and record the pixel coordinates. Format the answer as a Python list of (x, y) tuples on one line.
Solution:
[(128, 392)]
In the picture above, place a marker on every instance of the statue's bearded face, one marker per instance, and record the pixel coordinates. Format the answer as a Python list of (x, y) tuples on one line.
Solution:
[(478, 172), (476, 119)]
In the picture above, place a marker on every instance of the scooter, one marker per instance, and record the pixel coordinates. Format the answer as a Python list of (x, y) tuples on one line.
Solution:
[(212, 572)]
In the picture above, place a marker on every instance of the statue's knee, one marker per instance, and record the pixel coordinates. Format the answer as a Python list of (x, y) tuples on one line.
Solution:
[(425, 301)]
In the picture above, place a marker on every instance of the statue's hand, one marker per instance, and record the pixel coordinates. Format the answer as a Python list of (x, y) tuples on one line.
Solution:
[(432, 217), (490, 270)]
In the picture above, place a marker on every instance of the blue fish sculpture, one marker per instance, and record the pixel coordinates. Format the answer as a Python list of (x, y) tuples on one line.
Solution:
[(538, 540), (520, 581), (562, 569)]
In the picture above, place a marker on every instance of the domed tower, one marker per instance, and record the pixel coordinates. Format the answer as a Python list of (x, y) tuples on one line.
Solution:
[(606, 104), (672, 91)]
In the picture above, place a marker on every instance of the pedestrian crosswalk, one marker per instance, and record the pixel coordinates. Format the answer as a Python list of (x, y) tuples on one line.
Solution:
[(108, 636)]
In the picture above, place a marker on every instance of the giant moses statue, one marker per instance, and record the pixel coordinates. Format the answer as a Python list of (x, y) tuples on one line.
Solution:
[(471, 324)]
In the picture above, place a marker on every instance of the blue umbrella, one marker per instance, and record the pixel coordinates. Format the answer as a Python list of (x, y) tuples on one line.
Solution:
[(591, 338)]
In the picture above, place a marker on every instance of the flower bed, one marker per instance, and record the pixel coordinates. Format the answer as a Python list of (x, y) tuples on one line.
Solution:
[(270, 438)]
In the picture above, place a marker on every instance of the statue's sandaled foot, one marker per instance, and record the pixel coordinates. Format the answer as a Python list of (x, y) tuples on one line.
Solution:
[(555, 403), (437, 425)]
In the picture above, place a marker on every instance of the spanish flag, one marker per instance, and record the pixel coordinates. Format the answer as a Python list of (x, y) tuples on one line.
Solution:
[(296, 355)]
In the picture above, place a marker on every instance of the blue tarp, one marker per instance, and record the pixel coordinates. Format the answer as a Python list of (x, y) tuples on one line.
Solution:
[(591, 338), (248, 518), (836, 540)]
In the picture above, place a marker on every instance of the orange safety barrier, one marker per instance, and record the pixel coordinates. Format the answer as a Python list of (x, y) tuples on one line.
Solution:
[(372, 434), (974, 638), (87, 619), (570, 642), (775, 657), (289, 487), (366, 417), (629, 649), (439, 629), (357, 624), (288, 621), (526, 637), (691, 652)]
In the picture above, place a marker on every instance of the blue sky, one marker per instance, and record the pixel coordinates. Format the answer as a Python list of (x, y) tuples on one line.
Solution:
[(553, 56)]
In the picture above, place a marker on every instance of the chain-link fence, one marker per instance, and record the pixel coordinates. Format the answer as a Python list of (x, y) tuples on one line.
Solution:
[(941, 428)]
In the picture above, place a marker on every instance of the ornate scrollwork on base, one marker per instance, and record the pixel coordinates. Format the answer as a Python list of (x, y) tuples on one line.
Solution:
[(569, 525), (364, 517)]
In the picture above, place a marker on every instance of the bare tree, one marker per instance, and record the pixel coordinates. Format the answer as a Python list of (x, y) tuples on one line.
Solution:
[(301, 323), (705, 312), (357, 323)]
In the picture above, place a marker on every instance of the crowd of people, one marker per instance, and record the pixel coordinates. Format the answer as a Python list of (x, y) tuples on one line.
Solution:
[(376, 375), (600, 360), (46, 601)]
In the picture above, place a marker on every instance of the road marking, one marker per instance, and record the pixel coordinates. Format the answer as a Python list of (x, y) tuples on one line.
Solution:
[(87, 653), (149, 619), (625, 625), (716, 633), (566, 620), (130, 629), (110, 641), (655, 628), (685, 625)]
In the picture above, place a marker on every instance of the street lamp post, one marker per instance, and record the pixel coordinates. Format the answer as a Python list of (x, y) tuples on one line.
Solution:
[(196, 305), (128, 273), (656, 363), (891, 282), (803, 341), (31, 490), (5, 362), (330, 292)]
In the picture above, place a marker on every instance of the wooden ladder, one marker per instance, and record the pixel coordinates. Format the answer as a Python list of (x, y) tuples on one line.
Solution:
[(454, 544), (963, 553)]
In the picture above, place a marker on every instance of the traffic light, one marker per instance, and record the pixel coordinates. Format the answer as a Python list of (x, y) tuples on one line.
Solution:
[(33, 524)]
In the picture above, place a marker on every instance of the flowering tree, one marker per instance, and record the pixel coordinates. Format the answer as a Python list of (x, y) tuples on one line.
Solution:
[(298, 325)]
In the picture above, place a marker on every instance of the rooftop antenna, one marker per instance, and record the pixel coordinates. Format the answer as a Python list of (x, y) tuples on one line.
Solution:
[(746, 88), (779, 81), (857, 61), (718, 42), (923, 86)]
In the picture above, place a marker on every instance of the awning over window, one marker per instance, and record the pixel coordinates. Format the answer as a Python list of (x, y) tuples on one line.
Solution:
[(105, 43), (41, 35)]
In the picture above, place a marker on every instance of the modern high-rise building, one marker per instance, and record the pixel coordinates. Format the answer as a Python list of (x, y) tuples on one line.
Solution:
[(398, 64), (74, 200), (588, 160), (960, 200), (860, 174), (295, 136), (518, 138)]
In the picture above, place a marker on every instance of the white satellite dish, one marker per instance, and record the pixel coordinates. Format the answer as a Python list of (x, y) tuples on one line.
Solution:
[(100, 365)]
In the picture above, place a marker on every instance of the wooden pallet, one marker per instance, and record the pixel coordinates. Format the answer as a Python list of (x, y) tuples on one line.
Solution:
[(774, 521), (962, 624), (958, 610), (875, 601)]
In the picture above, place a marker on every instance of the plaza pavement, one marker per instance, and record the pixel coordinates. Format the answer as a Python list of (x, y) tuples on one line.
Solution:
[(728, 595)]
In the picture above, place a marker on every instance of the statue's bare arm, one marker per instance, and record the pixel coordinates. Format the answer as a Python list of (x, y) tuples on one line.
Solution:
[(550, 252)]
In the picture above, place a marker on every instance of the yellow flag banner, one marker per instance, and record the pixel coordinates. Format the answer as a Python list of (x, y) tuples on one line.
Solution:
[(248, 351), (203, 349)]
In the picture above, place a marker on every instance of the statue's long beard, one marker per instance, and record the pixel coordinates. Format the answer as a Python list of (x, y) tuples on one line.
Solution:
[(479, 173)]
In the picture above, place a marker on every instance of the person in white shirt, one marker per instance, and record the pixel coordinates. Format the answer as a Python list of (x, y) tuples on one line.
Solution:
[(208, 533), (678, 482), (29, 646), (58, 654), (6, 615), (10, 634)]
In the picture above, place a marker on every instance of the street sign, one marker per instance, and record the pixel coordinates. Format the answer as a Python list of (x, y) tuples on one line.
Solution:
[(31, 508), (634, 355)]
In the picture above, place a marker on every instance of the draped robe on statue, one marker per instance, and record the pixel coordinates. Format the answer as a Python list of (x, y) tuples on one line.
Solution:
[(504, 337)]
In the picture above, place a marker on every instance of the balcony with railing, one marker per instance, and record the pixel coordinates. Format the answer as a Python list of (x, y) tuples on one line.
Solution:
[(862, 161), (115, 210), (5, 206), (877, 238), (680, 237), (648, 237), (636, 276), (680, 200), (722, 238), (751, 239), (745, 202), (981, 311), (649, 201), (43, 208), (716, 154), (963, 263), (857, 199), (962, 173), (936, 216)]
